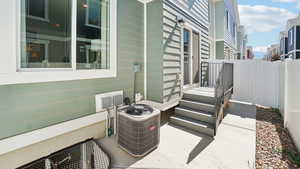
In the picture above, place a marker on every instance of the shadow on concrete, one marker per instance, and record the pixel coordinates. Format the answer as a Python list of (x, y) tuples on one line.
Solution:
[(198, 149), (244, 110)]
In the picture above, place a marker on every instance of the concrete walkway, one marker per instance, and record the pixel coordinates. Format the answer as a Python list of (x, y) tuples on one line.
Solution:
[(232, 148)]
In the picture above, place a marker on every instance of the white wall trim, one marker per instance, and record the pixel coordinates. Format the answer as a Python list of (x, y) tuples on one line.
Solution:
[(145, 51), (9, 73), (30, 138), (219, 40), (145, 1)]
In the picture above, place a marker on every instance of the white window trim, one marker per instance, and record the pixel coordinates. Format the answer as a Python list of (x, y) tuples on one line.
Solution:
[(11, 75), (46, 19)]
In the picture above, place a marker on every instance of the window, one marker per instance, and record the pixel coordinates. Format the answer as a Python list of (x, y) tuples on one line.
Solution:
[(234, 29), (37, 9), (297, 37), (93, 13), (57, 34), (186, 50), (291, 36), (227, 20), (49, 45), (93, 35)]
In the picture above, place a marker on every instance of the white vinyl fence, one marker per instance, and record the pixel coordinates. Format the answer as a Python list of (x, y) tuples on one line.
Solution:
[(273, 84), (257, 81)]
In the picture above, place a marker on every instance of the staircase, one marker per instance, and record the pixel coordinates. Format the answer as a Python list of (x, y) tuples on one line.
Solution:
[(201, 109), (196, 111)]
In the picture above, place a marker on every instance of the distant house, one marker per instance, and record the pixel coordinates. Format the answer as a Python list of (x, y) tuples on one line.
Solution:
[(249, 52), (273, 53), (290, 39), (242, 40), (226, 28), (283, 45)]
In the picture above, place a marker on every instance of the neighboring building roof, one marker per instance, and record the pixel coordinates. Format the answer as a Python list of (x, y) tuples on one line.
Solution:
[(283, 34), (292, 22)]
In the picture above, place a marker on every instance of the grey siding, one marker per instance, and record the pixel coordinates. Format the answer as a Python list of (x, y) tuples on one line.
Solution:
[(198, 9), (172, 10), (154, 51), (205, 44), (26, 107), (171, 55)]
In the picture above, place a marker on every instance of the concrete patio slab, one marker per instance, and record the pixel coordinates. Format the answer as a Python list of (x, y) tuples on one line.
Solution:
[(232, 148)]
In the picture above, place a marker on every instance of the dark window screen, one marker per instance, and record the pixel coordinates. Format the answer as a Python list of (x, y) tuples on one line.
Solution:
[(36, 8), (298, 37)]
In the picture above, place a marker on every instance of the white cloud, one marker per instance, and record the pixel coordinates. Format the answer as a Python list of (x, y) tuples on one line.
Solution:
[(298, 5), (289, 1), (260, 49), (260, 18)]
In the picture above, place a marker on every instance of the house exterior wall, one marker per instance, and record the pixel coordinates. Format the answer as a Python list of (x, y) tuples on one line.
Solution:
[(37, 105), (212, 29), (164, 43), (283, 45), (231, 33), (196, 14), (226, 28), (154, 51), (171, 54), (220, 19), (220, 50), (293, 42)]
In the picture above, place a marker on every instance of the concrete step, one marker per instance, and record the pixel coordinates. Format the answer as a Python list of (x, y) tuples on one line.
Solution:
[(196, 125), (200, 97), (195, 114), (197, 105)]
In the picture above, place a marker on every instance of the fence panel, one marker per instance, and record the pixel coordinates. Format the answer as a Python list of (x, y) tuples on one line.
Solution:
[(257, 81)]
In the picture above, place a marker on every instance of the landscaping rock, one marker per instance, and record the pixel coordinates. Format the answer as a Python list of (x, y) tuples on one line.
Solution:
[(274, 146)]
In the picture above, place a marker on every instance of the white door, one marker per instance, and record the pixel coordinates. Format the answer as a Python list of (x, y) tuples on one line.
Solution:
[(191, 57)]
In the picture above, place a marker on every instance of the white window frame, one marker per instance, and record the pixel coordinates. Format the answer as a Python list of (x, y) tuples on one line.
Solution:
[(46, 19), (10, 72), (292, 36)]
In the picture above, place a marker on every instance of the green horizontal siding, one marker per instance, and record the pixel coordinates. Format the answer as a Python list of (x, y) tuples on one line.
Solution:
[(26, 107), (155, 51), (220, 50)]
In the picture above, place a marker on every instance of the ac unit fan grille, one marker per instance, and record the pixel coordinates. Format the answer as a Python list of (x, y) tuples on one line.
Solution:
[(138, 137)]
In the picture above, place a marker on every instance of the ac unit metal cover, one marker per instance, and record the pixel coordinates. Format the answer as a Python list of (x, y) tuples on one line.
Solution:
[(138, 135)]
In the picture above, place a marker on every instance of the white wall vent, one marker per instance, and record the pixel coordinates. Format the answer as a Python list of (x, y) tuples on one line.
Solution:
[(108, 100)]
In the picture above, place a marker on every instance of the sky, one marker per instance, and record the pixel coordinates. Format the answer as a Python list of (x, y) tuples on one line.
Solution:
[(264, 19)]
